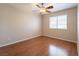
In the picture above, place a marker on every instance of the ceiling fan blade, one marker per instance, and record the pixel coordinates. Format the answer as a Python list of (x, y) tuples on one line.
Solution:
[(49, 7), (38, 6)]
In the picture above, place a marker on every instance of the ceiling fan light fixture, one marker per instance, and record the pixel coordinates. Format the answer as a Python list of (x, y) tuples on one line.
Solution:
[(42, 10)]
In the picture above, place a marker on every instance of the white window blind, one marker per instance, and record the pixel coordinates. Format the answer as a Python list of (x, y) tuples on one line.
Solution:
[(58, 22)]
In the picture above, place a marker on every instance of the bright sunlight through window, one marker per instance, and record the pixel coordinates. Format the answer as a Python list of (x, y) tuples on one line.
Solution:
[(58, 22)]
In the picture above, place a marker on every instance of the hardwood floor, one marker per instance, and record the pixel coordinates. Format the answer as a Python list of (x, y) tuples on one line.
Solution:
[(40, 46)]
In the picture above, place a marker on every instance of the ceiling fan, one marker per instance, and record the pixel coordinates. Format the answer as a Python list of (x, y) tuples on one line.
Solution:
[(43, 8)]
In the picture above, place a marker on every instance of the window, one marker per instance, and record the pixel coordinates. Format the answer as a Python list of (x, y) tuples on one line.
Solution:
[(58, 22)]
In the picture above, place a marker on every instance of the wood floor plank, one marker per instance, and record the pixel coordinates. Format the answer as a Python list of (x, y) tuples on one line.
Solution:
[(40, 46)]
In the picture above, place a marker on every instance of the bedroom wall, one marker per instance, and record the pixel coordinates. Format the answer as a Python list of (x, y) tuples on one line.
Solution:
[(78, 28), (68, 35), (17, 25)]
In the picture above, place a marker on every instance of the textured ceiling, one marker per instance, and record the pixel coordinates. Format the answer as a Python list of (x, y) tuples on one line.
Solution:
[(57, 6)]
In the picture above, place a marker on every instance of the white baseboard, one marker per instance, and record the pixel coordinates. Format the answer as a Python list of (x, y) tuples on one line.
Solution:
[(18, 41), (61, 39), (31, 38)]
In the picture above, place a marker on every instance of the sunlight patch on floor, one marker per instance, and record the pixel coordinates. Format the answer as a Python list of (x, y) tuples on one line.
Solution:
[(57, 51)]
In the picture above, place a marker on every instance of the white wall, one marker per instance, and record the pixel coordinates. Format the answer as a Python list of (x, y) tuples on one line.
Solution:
[(68, 35), (17, 25), (78, 28)]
